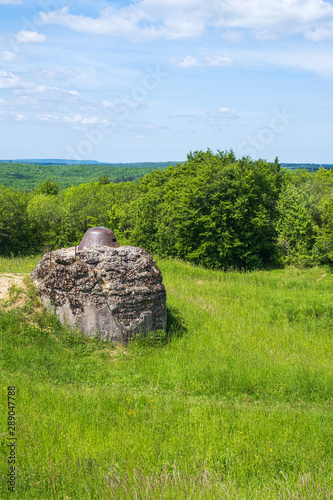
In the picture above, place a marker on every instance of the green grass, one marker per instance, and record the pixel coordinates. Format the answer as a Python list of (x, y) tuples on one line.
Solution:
[(18, 264), (236, 402)]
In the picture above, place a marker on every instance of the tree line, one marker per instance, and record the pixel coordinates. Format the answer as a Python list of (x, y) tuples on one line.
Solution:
[(214, 210)]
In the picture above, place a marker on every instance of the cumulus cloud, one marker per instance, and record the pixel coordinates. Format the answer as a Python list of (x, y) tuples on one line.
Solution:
[(7, 56), (176, 19), (26, 36)]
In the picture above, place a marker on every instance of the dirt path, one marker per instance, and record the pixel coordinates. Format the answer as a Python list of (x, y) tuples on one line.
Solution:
[(9, 279)]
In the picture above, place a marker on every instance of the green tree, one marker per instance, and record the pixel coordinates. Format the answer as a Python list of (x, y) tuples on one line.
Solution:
[(45, 216), (295, 226), (14, 225), (212, 210), (103, 179), (48, 188)]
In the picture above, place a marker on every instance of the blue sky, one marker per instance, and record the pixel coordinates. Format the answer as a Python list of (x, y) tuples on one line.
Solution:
[(151, 80)]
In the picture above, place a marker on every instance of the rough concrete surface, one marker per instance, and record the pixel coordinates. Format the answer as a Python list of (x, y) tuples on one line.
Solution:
[(115, 292)]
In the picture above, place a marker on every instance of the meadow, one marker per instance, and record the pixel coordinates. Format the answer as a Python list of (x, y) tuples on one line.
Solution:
[(233, 402)]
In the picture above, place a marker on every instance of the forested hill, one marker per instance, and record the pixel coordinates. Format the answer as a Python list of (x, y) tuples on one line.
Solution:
[(310, 167), (27, 176)]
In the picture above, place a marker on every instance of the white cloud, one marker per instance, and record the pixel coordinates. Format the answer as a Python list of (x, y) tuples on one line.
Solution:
[(220, 61), (189, 62), (7, 56), (282, 15), (188, 114), (10, 2), (109, 104), (48, 118), (176, 19), (294, 58), (322, 33), (227, 111), (192, 62), (21, 118), (45, 92), (138, 21), (80, 120), (92, 121), (73, 119), (3, 102), (25, 36), (266, 35), (235, 36), (10, 81), (55, 73), (214, 118)]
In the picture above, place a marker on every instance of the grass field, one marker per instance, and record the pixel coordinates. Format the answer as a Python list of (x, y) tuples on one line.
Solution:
[(235, 402)]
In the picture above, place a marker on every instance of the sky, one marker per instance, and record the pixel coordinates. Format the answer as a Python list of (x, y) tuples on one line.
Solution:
[(152, 80)]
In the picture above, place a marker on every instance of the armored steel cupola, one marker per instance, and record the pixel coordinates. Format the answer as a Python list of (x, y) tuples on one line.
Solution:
[(98, 236)]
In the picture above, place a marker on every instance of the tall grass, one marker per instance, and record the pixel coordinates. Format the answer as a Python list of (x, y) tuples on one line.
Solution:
[(236, 401)]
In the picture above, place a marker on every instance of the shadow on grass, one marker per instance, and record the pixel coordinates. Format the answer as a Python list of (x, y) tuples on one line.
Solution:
[(175, 324), (159, 338)]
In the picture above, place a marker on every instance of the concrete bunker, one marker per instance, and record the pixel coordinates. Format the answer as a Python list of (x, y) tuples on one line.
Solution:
[(103, 288)]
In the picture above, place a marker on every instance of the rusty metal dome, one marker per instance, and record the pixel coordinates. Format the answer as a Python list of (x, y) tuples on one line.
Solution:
[(98, 236)]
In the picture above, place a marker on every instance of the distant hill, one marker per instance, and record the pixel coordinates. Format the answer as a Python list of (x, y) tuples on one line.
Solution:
[(52, 162), (311, 167), (28, 175)]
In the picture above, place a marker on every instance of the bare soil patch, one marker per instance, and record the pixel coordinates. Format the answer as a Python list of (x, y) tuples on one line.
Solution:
[(10, 282)]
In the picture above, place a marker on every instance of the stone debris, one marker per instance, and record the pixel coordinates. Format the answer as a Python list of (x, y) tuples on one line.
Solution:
[(116, 292)]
